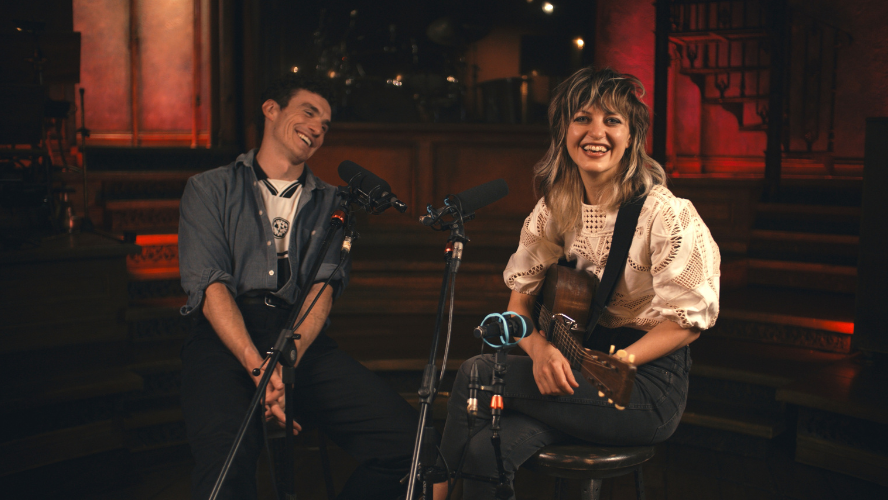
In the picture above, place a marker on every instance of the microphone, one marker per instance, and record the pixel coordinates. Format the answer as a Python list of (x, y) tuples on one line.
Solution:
[(469, 200), (474, 385), (376, 191), (507, 329)]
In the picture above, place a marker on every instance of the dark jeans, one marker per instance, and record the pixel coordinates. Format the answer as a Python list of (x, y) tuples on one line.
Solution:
[(354, 407), (531, 420)]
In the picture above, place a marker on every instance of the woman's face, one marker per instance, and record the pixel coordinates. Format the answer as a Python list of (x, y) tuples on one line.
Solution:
[(596, 141)]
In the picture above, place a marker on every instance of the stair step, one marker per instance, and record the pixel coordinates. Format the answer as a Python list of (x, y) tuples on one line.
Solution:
[(35, 391), (834, 191), (823, 219), (837, 249), (843, 459), (57, 446), (803, 275), (160, 159), (747, 421), (756, 363)]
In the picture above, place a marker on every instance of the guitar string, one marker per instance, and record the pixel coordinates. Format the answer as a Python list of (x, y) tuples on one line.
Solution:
[(564, 340), (575, 354)]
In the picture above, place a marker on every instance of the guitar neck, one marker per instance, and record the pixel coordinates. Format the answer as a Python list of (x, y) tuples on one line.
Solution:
[(562, 339)]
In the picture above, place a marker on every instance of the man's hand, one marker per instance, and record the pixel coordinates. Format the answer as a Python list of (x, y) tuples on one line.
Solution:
[(552, 372), (275, 400), (275, 388)]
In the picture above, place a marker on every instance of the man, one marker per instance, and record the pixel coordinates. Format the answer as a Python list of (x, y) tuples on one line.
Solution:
[(249, 234)]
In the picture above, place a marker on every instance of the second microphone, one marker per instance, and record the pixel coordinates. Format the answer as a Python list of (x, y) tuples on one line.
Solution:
[(377, 192)]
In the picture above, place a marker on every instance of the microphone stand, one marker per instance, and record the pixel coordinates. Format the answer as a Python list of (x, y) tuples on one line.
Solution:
[(503, 490), (284, 351), (424, 447)]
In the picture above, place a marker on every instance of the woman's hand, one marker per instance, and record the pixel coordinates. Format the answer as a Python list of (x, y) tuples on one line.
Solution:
[(552, 372)]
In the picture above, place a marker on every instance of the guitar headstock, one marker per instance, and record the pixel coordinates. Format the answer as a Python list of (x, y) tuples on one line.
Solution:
[(612, 374)]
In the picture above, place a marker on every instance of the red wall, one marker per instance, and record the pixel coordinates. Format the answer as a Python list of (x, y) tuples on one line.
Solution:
[(709, 136)]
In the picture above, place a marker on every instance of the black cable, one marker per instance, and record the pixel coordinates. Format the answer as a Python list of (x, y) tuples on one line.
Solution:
[(449, 329)]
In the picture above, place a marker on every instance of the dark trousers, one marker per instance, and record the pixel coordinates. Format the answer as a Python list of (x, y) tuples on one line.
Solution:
[(354, 407), (531, 420)]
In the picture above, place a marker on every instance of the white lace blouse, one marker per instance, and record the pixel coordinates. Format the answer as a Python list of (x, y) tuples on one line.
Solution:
[(672, 272)]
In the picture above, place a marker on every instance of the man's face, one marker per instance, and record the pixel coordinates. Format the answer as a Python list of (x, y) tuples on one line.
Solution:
[(297, 131)]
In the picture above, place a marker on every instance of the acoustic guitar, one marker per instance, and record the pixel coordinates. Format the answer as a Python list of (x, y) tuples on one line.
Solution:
[(563, 313)]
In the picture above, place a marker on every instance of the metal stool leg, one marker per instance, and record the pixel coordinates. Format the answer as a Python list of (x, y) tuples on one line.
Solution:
[(591, 489), (639, 484)]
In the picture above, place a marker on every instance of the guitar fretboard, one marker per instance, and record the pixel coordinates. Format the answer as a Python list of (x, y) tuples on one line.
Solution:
[(560, 336)]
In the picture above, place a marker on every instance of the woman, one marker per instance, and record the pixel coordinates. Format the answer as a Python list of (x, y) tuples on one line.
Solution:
[(667, 294)]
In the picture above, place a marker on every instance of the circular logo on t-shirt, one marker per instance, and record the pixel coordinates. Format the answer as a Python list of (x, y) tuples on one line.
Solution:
[(280, 227)]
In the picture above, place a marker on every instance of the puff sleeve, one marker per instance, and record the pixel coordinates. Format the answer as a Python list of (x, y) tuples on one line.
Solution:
[(684, 266), (527, 267)]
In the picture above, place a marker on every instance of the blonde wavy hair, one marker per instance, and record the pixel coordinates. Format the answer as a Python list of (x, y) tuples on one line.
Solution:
[(557, 177)]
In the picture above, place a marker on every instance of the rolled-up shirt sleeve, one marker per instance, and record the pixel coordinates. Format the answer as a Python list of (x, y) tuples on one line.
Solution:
[(527, 267), (685, 265), (339, 281), (204, 253)]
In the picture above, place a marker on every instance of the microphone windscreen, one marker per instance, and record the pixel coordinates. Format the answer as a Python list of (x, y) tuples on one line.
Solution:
[(480, 196), (368, 182)]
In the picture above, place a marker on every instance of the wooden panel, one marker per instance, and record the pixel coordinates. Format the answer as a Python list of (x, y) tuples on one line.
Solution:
[(71, 290), (461, 166), (395, 162), (423, 163)]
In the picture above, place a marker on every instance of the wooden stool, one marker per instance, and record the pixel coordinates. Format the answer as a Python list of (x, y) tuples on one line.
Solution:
[(590, 464)]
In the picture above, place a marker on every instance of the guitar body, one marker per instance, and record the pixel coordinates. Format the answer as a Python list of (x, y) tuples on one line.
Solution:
[(569, 292), (565, 303)]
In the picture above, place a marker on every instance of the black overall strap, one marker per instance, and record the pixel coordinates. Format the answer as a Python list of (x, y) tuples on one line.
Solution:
[(624, 230)]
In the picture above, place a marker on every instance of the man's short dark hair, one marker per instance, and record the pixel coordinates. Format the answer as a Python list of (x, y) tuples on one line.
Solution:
[(284, 88)]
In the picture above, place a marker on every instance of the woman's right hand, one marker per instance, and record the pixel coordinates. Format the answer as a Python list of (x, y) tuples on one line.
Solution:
[(551, 370)]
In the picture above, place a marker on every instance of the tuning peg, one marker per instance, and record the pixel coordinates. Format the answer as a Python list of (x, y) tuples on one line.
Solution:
[(632, 359), (600, 394), (619, 407), (610, 401), (621, 355), (612, 350)]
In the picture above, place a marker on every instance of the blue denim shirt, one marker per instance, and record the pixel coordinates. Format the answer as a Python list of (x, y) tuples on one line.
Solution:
[(225, 235)]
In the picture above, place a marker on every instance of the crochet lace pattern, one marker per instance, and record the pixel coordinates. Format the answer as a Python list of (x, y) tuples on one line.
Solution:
[(672, 271)]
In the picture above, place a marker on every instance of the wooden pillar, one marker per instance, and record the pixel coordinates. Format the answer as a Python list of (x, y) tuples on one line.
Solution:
[(776, 87), (231, 74), (870, 333), (661, 80)]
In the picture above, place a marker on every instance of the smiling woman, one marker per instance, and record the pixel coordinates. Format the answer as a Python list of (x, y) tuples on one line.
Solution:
[(596, 141), (665, 293)]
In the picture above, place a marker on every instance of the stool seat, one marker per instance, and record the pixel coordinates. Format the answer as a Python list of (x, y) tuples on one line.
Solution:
[(588, 461)]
